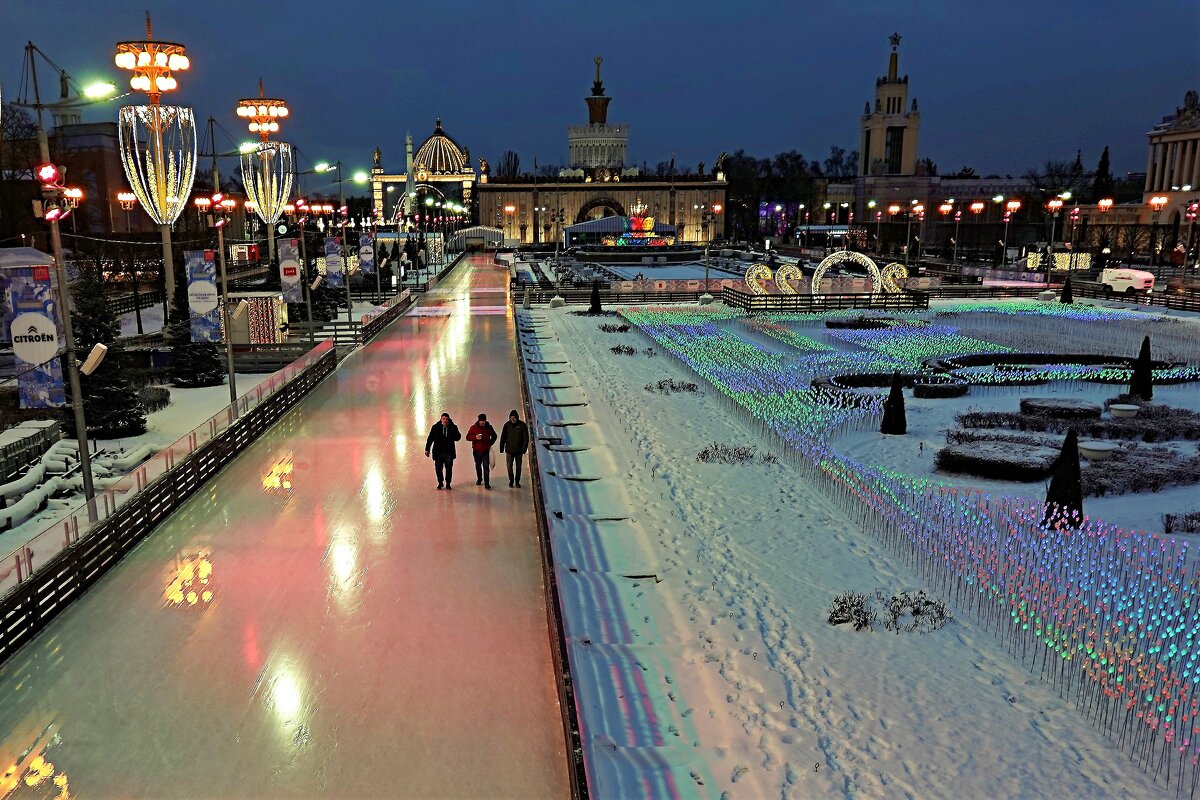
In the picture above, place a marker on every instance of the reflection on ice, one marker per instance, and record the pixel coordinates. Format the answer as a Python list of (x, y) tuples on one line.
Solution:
[(33, 769), (189, 579), (375, 494)]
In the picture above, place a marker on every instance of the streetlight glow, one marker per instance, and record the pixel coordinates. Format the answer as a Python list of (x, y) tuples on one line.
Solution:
[(99, 90)]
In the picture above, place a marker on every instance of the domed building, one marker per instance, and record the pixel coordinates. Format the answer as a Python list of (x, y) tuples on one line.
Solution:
[(437, 176)]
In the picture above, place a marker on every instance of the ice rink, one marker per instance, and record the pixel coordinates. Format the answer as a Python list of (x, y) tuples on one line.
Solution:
[(318, 621)]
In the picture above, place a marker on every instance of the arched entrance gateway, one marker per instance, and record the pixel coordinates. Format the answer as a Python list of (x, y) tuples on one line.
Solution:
[(841, 257), (609, 206)]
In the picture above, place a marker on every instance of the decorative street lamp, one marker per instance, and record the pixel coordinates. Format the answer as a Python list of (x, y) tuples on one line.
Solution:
[(918, 210), (1157, 204), (1193, 210), (1010, 208), (157, 142), (267, 168), (1054, 206)]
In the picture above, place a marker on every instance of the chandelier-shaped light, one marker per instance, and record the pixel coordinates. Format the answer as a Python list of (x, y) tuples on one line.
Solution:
[(152, 63), (267, 174), (262, 113), (158, 151)]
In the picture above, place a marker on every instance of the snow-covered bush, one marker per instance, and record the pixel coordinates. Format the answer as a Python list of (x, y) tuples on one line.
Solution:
[(915, 612), (622, 350), (855, 608), (672, 386), (997, 460), (1139, 469), (609, 327), (154, 398), (717, 453), (1188, 522), (936, 391), (1061, 407)]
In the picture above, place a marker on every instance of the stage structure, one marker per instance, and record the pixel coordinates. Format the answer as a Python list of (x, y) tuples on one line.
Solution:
[(267, 169), (157, 142)]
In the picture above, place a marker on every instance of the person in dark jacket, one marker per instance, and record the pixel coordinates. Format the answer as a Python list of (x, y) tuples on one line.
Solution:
[(440, 444), (514, 441), (482, 436)]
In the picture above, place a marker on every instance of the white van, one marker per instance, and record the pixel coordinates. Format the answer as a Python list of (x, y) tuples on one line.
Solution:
[(1122, 280)]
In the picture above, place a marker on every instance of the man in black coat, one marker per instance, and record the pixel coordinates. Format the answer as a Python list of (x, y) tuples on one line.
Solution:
[(514, 441), (440, 444)]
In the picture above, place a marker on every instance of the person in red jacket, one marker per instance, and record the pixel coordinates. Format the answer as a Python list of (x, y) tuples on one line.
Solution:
[(482, 436)]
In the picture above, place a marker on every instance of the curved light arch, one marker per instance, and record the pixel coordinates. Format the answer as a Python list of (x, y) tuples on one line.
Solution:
[(757, 276), (894, 276), (788, 272), (847, 255)]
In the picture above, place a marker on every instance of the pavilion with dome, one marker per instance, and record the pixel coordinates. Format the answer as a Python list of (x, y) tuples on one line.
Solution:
[(439, 171)]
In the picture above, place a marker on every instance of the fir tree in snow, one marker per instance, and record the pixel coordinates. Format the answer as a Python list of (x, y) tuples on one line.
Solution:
[(111, 406), (1064, 496), (192, 363), (595, 308), (894, 419), (1142, 383), (1066, 298)]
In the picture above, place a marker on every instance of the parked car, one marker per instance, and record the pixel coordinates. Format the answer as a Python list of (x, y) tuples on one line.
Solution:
[(1122, 280)]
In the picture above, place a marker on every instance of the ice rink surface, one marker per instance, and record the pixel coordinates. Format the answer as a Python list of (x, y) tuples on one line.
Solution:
[(318, 621)]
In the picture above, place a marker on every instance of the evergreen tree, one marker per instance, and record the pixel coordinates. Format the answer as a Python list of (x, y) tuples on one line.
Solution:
[(1067, 298), (894, 419), (595, 309), (1142, 382), (193, 364), (1103, 184), (111, 406), (1064, 496)]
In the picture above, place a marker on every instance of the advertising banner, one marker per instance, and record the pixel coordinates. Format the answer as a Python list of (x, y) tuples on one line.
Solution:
[(203, 302), (289, 271), (334, 264), (33, 330), (366, 253)]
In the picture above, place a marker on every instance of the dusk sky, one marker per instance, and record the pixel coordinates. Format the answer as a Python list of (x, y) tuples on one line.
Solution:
[(1001, 86)]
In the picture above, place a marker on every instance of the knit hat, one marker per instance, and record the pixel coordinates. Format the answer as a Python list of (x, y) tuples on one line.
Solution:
[(513, 413), (483, 417)]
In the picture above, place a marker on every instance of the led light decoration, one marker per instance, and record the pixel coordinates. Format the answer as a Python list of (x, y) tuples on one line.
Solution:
[(893, 277), (157, 142), (784, 275), (847, 255), (1109, 617), (267, 168), (757, 278)]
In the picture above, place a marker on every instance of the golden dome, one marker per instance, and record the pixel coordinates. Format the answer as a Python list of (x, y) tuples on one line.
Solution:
[(440, 155)]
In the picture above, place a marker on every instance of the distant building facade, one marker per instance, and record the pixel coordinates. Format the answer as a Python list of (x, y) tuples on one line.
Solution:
[(888, 139), (598, 144)]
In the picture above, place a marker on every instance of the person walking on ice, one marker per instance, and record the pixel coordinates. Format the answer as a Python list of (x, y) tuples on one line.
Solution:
[(482, 436), (514, 441), (440, 444)]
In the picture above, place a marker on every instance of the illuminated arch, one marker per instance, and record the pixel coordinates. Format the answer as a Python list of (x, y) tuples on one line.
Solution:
[(847, 255), (894, 276), (788, 272), (757, 277), (599, 202)]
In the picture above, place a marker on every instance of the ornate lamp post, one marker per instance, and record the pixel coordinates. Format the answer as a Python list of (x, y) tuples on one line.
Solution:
[(1157, 204), (945, 210), (267, 169), (1103, 205), (158, 143), (1010, 208), (1054, 206)]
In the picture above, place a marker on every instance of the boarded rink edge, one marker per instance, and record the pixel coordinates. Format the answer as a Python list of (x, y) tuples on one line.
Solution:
[(558, 640)]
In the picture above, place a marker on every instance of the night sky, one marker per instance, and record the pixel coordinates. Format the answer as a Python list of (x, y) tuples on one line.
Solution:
[(1002, 86)]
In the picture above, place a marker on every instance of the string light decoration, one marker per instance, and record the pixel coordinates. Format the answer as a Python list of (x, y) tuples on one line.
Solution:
[(267, 169), (784, 275), (157, 143), (893, 277), (757, 278), (841, 257), (1109, 617)]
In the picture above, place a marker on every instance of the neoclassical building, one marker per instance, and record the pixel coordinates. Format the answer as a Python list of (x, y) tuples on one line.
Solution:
[(1173, 161), (532, 209), (439, 169)]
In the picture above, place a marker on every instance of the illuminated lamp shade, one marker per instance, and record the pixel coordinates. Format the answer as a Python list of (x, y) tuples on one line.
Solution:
[(159, 184), (126, 60)]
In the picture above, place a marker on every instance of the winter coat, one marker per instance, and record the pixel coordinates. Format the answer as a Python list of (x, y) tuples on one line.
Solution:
[(514, 438), (481, 436), (440, 443)]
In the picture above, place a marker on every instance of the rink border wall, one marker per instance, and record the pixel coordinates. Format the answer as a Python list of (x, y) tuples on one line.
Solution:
[(558, 636), (35, 602)]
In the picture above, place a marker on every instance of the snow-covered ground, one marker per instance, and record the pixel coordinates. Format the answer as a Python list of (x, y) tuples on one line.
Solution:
[(695, 600), (188, 409)]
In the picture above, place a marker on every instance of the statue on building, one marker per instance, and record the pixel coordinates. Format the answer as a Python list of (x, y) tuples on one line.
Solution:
[(484, 167), (466, 159), (700, 168), (377, 156)]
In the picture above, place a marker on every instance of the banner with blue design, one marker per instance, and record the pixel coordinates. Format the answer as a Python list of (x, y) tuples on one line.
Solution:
[(289, 271), (203, 300), (33, 329), (334, 263), (366, 253)]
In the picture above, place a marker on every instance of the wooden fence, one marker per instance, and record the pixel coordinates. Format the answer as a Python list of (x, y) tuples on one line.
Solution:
[(816, 303)]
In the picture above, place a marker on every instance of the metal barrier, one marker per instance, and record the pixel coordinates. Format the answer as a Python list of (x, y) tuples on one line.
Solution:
[(35, 438), (374, 322), (983, 291), (584, 296), (46, 574), (816, 303)]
